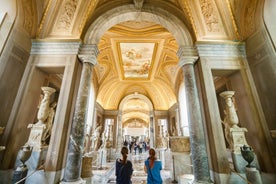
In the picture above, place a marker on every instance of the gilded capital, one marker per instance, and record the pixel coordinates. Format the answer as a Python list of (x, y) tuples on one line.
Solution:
[(187, 55), (88, 53)]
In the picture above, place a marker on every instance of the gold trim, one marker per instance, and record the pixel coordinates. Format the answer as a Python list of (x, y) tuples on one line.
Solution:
[(92, 5), (43, 18), (191, 18), (238, 36)]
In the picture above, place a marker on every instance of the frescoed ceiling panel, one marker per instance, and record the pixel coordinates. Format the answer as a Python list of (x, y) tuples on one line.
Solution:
[(137, 63)]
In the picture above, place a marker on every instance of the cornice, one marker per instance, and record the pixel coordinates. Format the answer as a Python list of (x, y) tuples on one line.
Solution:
[(55, 47)]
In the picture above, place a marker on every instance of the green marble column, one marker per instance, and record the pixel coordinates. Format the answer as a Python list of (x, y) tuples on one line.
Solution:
[(88, 56), (188, 56)]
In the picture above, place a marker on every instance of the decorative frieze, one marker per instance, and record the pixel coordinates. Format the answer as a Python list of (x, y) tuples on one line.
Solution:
[(210, 18)]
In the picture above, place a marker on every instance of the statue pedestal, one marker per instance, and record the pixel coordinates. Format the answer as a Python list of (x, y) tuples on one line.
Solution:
[(36, 135), (238, 135), (253, 175), (238, 138), (36, 159), (180, 148), (86, 168)]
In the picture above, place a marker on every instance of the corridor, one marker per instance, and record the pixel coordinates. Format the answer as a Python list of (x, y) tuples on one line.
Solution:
[(138, 177)]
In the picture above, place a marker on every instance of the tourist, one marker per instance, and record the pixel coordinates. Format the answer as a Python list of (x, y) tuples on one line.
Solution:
[(153, 168), (124, 168)]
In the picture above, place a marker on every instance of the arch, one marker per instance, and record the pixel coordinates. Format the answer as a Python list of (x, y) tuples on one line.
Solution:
[(149, 13), (136, 95)]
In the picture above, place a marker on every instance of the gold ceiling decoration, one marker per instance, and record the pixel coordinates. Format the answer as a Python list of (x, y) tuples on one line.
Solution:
[(137, 57)]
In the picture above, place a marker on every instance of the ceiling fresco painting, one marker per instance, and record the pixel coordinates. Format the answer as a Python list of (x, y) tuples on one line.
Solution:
[(136, 59)]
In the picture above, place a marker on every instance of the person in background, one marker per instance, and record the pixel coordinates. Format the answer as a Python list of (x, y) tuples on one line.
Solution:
[(124, 168), (153, 168)]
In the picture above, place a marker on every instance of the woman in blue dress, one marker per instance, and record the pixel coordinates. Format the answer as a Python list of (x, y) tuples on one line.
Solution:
[(124, 168), (153, 168)]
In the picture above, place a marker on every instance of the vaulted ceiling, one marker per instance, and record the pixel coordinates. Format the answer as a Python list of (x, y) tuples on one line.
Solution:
[(205, 20), (160, 84)]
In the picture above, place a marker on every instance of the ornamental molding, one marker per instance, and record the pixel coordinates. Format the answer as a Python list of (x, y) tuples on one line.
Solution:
[(55, 48)]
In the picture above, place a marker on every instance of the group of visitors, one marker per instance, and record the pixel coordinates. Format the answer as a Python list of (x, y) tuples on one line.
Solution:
[(124, 168), (137, 147)]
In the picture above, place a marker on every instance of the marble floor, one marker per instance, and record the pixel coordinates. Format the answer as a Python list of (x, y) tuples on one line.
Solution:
[(107, 175)]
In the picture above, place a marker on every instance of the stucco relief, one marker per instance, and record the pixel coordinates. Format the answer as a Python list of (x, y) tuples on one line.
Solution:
[(210, 18), (68, 12)]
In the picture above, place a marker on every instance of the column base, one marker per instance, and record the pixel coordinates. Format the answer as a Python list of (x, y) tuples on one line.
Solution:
[(80, 181)]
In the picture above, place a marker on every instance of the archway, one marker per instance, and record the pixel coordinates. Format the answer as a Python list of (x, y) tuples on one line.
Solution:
[(128, 12), (135, 111)]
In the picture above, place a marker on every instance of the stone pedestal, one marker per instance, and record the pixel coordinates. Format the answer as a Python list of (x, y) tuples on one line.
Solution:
[(180, 148), (238, 138), (37, 159), (35, 138), (182, 163), (86, 168), (253, 175)]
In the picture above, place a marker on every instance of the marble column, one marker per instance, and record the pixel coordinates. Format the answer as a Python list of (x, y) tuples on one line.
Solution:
[(72, 173), (187, 58)]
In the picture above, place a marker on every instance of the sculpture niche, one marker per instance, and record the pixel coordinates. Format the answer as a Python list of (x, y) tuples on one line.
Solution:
[(41, 130), (233, 133)]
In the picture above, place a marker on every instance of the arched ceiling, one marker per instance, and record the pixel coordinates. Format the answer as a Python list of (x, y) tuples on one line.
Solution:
[(205, 20), (119, 76)]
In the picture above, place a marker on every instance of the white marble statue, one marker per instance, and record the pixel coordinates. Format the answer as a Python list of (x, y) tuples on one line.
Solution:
[(96, 137)]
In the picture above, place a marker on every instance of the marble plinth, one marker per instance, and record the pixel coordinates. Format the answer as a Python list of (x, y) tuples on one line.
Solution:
[(253, 175), (182, 164), (37, 159), (86, 168)]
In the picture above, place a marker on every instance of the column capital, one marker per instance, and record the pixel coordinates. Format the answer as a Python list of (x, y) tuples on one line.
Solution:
[(187, 55), (88, 53)]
